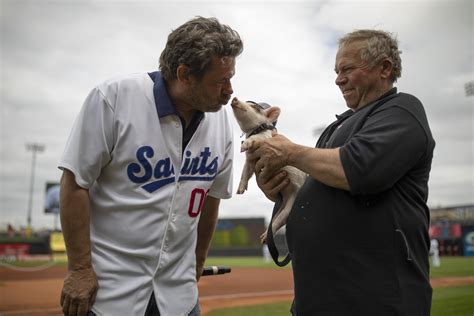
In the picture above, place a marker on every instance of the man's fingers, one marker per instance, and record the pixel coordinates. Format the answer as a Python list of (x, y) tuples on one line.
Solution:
[(63, 296), (280, 186), (92, 298), (265, 172), (73, 308), (250, 145), (65, 305), (259, 166), (83, 308)]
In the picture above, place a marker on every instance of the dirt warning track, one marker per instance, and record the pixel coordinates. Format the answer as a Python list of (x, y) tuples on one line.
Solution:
[(37, 292)]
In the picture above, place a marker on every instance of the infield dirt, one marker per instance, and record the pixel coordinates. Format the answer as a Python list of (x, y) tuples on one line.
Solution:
[(37, 292)]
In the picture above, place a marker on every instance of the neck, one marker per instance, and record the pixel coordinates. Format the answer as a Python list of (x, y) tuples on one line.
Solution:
[(264, 127), (179, 100), (377, 93)]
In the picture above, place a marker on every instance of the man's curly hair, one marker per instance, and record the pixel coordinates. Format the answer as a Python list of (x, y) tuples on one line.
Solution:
[(195, 43)]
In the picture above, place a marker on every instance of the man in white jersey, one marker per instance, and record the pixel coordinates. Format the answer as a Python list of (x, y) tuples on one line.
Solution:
[(147, 162)]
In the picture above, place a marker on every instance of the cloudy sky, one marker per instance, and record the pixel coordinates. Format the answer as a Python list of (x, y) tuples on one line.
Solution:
[(54, 52)]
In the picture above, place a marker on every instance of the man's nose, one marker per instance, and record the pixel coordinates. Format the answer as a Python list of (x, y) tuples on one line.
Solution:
[(340, 79), (228, 88)]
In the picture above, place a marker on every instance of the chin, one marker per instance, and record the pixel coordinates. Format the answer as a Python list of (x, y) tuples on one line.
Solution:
[(214, 108)]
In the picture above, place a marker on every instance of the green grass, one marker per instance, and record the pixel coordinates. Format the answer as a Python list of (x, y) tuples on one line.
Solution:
[(278, 309), (453, 267), (452, 301), (29, 264)]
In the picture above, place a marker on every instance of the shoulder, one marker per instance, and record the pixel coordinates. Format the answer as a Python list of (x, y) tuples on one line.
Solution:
[(405, 101), (125, 86), (124, 81), (409, 109)]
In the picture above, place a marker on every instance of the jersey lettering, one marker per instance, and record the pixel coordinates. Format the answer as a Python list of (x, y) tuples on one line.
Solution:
[(197, 200), (195, 168)]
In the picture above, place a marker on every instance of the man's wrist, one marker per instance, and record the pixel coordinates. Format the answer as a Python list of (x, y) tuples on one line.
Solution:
[(293, 154), (79, 263)]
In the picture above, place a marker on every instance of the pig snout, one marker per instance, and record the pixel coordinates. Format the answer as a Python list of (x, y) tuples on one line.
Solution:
[(237, 105), (235, 102)]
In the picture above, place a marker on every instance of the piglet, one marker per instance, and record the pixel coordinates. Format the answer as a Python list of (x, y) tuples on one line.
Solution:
[(258, 123)]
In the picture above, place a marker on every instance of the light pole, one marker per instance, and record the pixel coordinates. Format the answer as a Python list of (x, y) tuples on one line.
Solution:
[(34, 147), (469, 87)]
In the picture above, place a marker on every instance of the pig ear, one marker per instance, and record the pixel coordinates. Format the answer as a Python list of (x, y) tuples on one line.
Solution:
[(273, 113)]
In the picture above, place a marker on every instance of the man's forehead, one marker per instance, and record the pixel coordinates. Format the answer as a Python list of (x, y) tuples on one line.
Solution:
[(348, 51), (223, 65), (227, 61)]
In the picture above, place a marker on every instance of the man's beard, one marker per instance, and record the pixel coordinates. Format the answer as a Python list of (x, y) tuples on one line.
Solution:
[(203, 104)]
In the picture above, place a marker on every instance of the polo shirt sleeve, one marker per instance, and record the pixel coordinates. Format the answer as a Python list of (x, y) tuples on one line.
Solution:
[(389, 144), (90, 142)]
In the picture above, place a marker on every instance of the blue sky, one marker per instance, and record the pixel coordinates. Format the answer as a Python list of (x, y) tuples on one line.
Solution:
[(54, 52)]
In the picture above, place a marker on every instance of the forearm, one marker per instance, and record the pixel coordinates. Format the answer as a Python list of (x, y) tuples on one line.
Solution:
[(206, 227), (75, 222), (322, 164)]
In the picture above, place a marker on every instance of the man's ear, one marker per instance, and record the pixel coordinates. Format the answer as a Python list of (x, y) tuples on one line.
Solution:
[(182, 74), (386, 68), (273, 113)]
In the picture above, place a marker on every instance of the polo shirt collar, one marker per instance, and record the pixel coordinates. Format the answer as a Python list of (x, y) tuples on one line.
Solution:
[(350, 112), (164, 106)]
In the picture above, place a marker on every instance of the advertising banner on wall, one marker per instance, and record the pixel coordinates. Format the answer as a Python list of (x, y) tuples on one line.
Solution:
[(468, 240), (51, 201)]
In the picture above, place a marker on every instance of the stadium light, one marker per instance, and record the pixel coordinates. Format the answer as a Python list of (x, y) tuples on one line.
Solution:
[(469, 87), (35, 148)]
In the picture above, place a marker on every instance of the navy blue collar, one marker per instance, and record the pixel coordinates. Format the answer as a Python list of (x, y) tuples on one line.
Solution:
[(165, 107), (163, 104)]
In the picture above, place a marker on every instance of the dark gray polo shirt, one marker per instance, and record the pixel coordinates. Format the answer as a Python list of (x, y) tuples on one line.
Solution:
[(365, 251)]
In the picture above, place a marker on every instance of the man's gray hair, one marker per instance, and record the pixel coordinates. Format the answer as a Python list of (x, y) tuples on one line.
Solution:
[(195, 43), (377, 45)]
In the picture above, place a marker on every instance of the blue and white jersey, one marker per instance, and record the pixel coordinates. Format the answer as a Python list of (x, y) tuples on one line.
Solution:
[(146, 192)]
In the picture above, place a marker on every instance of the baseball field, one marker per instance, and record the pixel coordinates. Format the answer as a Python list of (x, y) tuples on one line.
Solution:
[(254, 287)]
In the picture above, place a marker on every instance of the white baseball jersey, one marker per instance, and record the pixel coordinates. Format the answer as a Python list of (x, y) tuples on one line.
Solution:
[(145, 192)]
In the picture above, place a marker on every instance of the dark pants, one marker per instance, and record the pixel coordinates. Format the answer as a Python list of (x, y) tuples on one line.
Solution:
[(152, 309)]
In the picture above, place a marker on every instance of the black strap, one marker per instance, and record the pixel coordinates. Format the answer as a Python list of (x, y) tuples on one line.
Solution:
[(261, 128), (271, 242)]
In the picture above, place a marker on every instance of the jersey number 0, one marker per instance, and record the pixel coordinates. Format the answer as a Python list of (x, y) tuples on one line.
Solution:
[(196, 202)]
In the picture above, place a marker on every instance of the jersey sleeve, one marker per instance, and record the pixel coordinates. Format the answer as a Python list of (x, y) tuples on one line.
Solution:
[(222, 185), (91, 140), (385, 149)]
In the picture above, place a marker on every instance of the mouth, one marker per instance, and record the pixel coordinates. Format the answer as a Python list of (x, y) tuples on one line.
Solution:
[(346, 92)]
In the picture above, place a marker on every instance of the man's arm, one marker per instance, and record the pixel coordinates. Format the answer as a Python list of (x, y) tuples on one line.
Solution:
[(274, 153), (206, 227), (80, 284)]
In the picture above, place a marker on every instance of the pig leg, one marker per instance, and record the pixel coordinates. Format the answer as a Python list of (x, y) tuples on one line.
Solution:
[(247, 173), (289, 197)]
